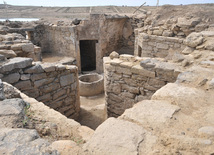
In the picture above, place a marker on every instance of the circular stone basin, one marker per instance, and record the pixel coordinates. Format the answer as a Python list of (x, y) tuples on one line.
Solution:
[(91, 84)]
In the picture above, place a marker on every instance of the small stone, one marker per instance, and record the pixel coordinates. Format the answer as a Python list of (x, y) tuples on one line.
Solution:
[(114, 55)]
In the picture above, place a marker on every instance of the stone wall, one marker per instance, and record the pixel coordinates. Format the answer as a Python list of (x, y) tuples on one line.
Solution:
[(54, 85), (156, 46), (127, 82), (111, 32), (16, 45)]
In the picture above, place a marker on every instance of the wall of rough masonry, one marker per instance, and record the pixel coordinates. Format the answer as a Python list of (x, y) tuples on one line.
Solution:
[(156, 46), (130, 79), (54, 85), (111, 32), (16, 45)]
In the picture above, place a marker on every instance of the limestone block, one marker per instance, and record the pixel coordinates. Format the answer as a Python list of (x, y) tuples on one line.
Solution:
[(123, 70), (44, 98), (167, 33), (116, 136), (59, 93), (34, 69), (158, 32), (183, 22), (50, 88), (39, 76), (127, 95), (131, 89), (114, 88), (23, 85), (194, 39), (25, 77), (127, 57), (116, 62), (151, 113), (8, 53), (16, 63), (16, 47), (156, 83), (114, 97), (137, 69), (28, 48), (209, 44), (181, 96), (162, 46), (12, 78), (66, 80), (188, 50), (33, 92), (43, 82), (127, 64), (48, 67)]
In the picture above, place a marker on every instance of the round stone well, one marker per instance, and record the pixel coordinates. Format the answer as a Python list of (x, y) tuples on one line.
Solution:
[(91, 84)]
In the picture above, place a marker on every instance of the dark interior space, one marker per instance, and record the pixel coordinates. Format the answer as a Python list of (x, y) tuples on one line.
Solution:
[(88, 55)]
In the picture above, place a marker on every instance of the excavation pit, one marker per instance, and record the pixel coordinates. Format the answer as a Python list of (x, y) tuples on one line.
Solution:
[(91, 84)]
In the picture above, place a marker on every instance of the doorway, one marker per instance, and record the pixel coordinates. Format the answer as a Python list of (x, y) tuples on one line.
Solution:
[(88, 55)]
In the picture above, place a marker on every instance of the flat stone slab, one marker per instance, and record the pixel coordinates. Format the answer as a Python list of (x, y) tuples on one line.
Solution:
[(116, 136), (151, 112), (15, 63)]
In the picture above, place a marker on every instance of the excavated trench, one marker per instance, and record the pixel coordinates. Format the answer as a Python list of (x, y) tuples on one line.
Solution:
[(92, 100)]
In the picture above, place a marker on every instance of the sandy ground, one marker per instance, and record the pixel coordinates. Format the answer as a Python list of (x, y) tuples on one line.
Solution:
[(93, 111)]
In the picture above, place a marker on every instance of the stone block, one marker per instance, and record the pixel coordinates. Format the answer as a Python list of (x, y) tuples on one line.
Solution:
[(131, 89), (47, 67), (23, 85), (28, 48), (123, 70), (114, 88), (16, 47), (25, 77), (16, 63), (59, 93), (43, 82), (137, 69), (44, 98), (151, 113), (119, 137), (50, 88), (162, 46), (127, 64), (115, 62), (127, 95), (66, 80), (114, 97), (12, 78), (34, 69), (39, 76), (8, 53)]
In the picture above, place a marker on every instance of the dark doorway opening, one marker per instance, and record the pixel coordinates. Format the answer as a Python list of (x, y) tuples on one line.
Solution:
[(88, 55)]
